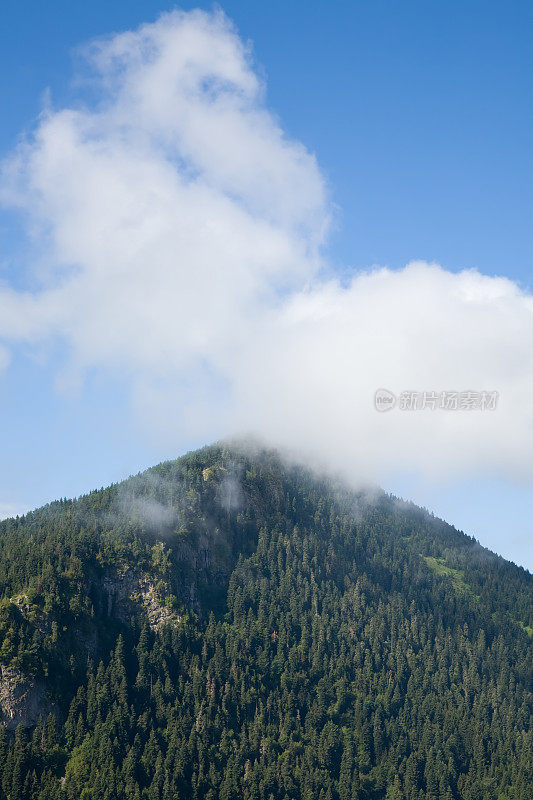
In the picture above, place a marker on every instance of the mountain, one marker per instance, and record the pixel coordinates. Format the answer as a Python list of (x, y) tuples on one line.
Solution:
[(227, 626)]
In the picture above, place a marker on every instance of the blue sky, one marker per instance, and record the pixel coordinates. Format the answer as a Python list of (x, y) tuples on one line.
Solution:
[(421, 120)]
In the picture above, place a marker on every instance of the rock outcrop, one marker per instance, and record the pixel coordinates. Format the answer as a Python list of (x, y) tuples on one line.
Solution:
[(22, 699), (127, 592)]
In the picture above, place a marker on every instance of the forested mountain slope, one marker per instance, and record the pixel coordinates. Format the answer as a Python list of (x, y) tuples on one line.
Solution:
[(226, 626)]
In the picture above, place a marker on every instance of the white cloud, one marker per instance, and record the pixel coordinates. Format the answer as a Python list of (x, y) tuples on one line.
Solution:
[(170, 210), (420, 328), (183, 233)]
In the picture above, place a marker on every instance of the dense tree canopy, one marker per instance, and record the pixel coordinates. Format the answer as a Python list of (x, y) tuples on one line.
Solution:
[(284, 638)]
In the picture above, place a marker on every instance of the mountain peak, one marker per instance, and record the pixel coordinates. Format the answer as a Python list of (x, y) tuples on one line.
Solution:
[(247, 615)]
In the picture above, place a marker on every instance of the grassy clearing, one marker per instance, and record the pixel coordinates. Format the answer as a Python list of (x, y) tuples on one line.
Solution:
[(438, 566)]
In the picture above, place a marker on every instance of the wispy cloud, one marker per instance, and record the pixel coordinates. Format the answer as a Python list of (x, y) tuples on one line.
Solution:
[(184, 233)]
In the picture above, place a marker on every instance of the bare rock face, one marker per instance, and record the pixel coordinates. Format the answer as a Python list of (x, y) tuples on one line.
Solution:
[(22, 700), (157, 613), (128, 591)]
